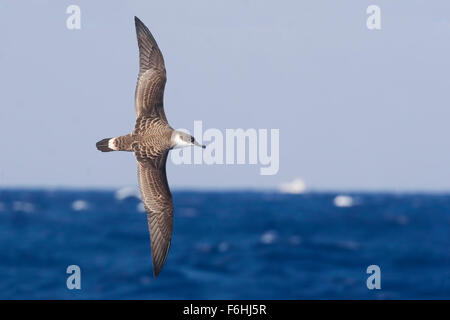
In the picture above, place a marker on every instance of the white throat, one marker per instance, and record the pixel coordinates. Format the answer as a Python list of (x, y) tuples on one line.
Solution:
[(180, 143)]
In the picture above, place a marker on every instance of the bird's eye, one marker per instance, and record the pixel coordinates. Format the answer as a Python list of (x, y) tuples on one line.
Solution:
[(192, 139)]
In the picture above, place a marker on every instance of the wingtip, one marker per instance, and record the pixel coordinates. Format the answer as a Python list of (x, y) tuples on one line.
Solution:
[(158, 266), (138, 22), (141, 29), (156, 272)]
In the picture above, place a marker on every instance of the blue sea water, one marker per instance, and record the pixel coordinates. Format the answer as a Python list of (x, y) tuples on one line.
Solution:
[(226, 245)]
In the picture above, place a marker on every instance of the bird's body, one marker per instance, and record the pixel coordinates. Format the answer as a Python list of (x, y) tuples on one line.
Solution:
[(151, 141)]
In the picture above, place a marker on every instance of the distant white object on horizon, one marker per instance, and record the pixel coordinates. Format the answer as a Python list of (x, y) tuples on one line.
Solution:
[(297, 186), (126, 192), (343, 201)]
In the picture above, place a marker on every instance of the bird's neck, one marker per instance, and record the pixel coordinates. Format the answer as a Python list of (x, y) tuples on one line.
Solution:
[(177, 141)]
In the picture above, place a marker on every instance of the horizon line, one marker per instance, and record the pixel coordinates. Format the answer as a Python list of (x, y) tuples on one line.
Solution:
[(274, 189)]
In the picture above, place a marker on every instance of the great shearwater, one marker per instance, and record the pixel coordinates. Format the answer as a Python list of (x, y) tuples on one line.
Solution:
[(151, 141)]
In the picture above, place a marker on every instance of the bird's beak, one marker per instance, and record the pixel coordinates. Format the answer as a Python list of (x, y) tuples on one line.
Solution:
[(199, 145)]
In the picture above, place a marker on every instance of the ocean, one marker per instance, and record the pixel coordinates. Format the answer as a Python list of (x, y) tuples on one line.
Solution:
[(226, 245)]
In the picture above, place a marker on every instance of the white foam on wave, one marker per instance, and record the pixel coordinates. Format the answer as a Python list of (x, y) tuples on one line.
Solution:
[(268, 237), (23, 206), (343, 201), (140, 207), (79, 205), (127, 192), (297, 186)]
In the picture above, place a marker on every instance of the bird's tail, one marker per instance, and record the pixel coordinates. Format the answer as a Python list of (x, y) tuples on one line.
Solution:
[(103, 145), (122, 143)]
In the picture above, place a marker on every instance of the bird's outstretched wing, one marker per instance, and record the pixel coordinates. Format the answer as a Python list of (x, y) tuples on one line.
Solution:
[(152, 75), (157, 200)]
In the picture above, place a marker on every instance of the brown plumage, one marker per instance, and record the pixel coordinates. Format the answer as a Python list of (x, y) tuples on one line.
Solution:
[(151, 140)]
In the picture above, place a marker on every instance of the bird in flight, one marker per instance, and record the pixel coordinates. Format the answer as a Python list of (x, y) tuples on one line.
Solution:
[(151, 141)]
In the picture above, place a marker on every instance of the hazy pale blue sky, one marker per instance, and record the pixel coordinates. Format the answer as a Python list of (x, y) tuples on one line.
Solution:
[(356, 109)]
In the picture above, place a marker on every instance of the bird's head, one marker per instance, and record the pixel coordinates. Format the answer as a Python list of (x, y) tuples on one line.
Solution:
[(181, 139)]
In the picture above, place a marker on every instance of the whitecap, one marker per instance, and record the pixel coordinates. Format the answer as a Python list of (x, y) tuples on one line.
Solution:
[(79, 205), (23, 206), (268, 237), (140, 207), (127, 192), (343, 201), (297, 186)]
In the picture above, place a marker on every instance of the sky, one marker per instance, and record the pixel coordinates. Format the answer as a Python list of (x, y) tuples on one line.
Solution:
[(356, 109)]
